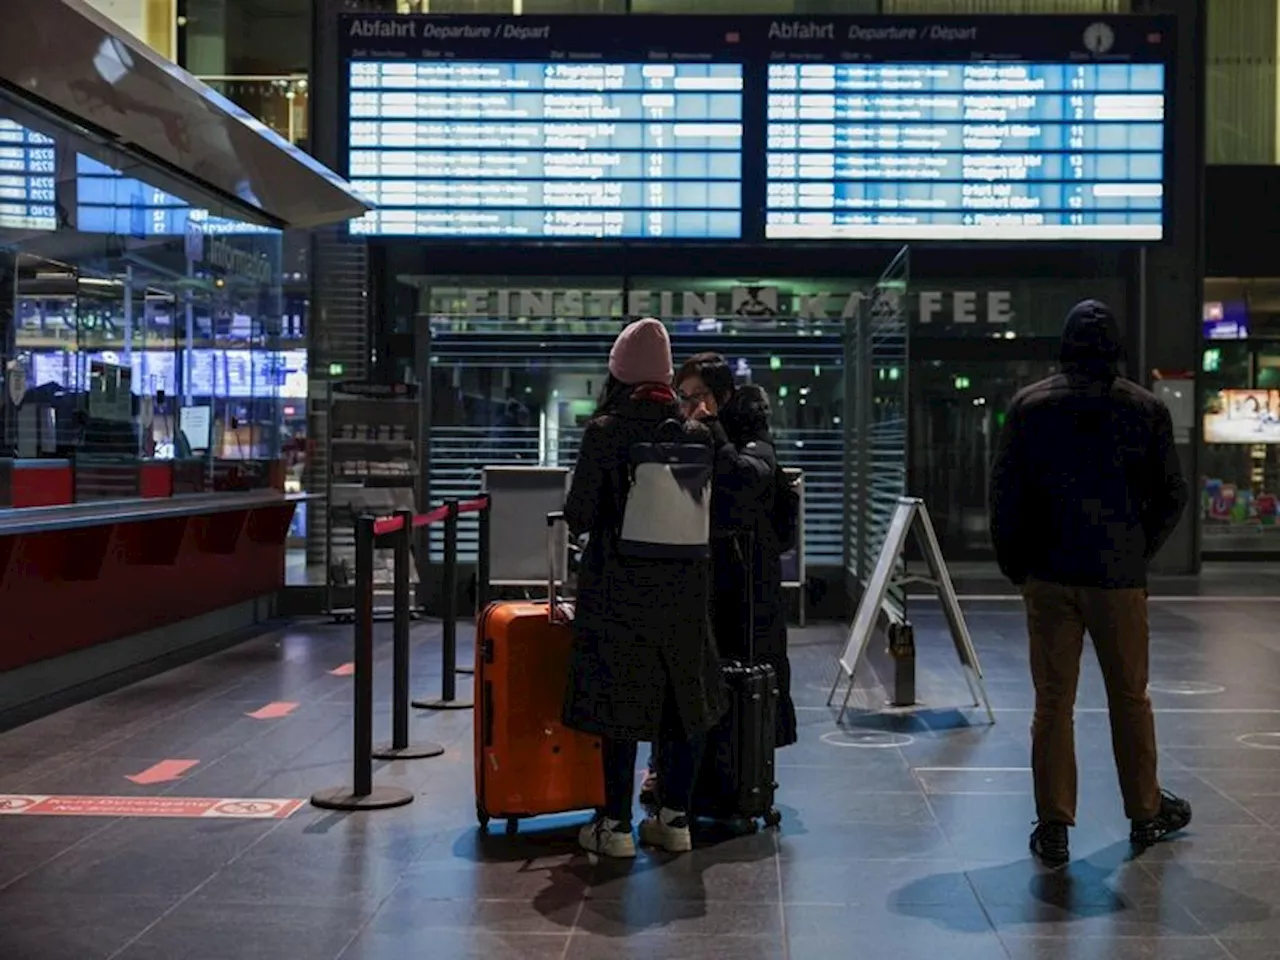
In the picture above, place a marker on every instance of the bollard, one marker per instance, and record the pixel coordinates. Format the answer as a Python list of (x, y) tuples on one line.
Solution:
[(449, 622), (482, 556), (362, 795), (902, 650), (399, 748), (482, 568)]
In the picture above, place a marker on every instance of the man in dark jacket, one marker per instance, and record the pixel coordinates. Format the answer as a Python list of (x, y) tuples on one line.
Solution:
[(1085, 489)]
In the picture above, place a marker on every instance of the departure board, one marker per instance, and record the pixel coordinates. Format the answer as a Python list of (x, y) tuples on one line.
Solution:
[(28, 179), (759, 128), (548, 150), (984, 151)]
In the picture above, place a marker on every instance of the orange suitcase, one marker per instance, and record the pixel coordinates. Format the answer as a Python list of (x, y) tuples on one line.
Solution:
[(527, 762)]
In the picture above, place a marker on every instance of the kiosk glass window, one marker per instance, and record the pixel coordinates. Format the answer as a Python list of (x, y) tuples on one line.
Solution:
[(1240, 405), (138, 325)]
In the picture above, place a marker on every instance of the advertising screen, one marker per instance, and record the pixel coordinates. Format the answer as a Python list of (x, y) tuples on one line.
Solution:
[(759, 128), (1242, 416), (28, 174)]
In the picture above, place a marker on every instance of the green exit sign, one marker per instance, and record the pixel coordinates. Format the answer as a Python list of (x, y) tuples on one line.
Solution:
[(336, 369)]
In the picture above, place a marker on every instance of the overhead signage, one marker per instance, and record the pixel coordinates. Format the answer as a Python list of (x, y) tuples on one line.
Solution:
[(758, 128)]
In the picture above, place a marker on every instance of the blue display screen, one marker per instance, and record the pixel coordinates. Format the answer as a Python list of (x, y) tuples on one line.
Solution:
[(982, 151), (547, 150), (109, 202), (28, 179), (805, 127)]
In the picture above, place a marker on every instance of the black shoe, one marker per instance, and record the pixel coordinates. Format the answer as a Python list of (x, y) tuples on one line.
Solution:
[(1049, 844), (1174, 815)]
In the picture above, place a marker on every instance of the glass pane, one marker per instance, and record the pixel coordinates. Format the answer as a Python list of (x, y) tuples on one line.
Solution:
[(1240, 99), (957, 410), (145, 324)]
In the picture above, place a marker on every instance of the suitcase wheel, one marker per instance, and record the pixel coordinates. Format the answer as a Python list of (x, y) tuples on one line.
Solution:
[(482, 817), (513, 826), (772, 818)]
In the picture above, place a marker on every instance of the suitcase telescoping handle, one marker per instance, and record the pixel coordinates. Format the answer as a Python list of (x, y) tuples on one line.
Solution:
[(749, 562), (555, 523)]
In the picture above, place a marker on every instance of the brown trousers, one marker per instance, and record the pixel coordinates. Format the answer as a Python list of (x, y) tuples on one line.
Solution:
[(1057, 618)]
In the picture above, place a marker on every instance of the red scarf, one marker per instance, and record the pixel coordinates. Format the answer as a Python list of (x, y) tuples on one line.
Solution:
[(658, 392)]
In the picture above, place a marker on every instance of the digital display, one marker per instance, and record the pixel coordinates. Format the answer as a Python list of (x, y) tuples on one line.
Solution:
[(28, 179), (213, 373), (1242, 416), (548, 150), (109, 202), (759, 128), (983, 151)]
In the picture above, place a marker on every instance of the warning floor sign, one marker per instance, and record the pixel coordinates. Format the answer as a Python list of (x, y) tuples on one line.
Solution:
[(185, 807)]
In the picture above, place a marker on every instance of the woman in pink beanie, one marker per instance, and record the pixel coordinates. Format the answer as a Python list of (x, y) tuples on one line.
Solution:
[(644, 665)]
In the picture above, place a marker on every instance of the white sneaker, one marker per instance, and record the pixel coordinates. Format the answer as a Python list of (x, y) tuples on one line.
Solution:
[(606, 837), (669, 831)]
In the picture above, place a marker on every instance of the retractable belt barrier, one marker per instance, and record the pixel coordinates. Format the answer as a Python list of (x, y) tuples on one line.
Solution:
[(398, 532)]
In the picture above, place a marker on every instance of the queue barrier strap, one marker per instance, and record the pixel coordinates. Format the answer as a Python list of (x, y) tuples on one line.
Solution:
[(385, 525)]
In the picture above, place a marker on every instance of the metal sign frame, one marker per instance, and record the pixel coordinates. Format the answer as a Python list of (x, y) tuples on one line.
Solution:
[(911, 515), (517, 549)]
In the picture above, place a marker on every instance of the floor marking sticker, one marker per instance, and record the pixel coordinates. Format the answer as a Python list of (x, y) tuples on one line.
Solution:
[(162, 772), (346, 670), (175, 807), (273, 711)]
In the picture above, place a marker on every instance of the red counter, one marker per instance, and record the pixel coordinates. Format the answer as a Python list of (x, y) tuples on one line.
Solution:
[(84, 574)]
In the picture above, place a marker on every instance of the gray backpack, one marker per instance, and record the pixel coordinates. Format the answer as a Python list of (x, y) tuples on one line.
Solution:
[(667, 510)]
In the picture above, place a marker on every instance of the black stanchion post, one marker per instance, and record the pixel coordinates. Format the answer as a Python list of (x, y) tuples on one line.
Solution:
[(482, 573), (362, 795), (482, 557), (449, 621), (399, 748)]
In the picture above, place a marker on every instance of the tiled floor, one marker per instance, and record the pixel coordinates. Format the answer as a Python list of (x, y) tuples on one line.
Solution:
[(903, 837)]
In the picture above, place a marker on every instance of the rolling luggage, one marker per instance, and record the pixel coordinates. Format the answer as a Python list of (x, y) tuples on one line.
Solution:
[(527, 762), (736, 781)]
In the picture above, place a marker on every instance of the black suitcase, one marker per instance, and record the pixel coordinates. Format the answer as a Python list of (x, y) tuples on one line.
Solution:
[(736, 781)]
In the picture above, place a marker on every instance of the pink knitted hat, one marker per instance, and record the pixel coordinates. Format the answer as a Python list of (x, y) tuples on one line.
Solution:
[(642, 353)]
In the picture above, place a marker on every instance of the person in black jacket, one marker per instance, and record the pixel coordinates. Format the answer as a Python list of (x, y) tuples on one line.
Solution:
[(1085, 489), (644, 665), (742, 508)]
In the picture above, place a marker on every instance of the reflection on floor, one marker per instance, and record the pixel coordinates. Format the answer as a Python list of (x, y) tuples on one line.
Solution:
[(904, 846)]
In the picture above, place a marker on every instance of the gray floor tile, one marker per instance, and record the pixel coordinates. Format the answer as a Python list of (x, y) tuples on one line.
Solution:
[(62, 926), (207, 931), (584, 946), (391, 944)]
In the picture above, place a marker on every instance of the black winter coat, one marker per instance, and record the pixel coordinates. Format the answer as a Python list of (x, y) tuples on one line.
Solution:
[(1086, 484), (742, 502), (639, 624)]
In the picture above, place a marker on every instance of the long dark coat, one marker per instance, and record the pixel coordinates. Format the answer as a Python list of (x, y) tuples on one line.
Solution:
[(742, 502), (639, 623)]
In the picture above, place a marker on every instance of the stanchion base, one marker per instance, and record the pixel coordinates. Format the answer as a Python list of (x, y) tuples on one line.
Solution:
[(341, 798), (418, 751), (467, 670), (443, 704)]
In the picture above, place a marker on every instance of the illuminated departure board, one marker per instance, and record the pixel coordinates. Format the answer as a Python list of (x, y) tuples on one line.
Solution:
[(548, 150), (759, 128), (28, 178), (987, 151)]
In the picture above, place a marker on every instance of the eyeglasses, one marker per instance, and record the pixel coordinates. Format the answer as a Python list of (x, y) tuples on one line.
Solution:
[(695, 398)]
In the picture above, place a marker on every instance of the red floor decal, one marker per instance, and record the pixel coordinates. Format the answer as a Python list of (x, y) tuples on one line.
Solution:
[(162, 772), (273, 711), (183, 807), (346, 670)]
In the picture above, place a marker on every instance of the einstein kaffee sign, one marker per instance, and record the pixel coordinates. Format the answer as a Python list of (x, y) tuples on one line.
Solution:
[(1021, 306)]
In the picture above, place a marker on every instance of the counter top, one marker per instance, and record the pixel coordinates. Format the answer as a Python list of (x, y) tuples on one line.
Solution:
[(73, 516)]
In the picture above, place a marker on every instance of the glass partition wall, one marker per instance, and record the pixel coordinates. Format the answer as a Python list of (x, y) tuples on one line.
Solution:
[(140, 320)]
